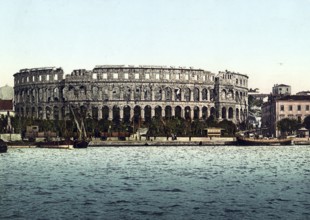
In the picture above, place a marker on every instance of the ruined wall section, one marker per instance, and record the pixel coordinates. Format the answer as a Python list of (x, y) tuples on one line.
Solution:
[(148, 86), (38, 91), (231, 96)]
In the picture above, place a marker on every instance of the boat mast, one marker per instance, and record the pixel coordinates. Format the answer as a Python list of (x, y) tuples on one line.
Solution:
[(77, 123)]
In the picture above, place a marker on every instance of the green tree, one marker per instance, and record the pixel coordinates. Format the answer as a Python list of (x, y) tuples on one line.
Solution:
[(211, 121), (307, 122), (228, 126), (198, 128), (104, 124), (288, 125)]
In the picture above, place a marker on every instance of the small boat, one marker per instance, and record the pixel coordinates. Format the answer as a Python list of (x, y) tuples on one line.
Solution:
[(260, 142), (21, 144), (3, 146), (62, 144), (80, 144)]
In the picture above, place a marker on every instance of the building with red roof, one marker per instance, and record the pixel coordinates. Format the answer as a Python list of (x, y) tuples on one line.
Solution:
[(6, 106)]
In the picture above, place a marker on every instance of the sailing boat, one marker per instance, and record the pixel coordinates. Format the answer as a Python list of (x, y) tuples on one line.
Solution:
[(3, 146), (81, 142)]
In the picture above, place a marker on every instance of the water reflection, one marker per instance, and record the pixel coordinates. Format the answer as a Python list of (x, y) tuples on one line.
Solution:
[(156, 183)]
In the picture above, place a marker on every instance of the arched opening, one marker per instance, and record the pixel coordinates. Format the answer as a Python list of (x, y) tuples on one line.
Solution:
[(137, 93), (230, 95), (147, 93), (196, 112), (204, 94), (147, 113), (116, 93), (212, 94), (127, 115), (40, 113), (95, 92), (94, 112), (116, 114), (158, 94), (204, 112), (83, 90), (158, 111), (105, 112), (196, 94), (237, 96), (48, 95), (40, 95), (230, 113), (187, 112), (178, 112), (33, 96), (28, 96), (223, 113), (127, 93), (56, 113), (48, 113), (168, 94), (105, 94), (137, 114), (56, 93), (187, 94), (177, 94), (237, 113), (168, 112)]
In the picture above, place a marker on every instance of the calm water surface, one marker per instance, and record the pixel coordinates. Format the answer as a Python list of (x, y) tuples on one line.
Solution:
[(156, 183)]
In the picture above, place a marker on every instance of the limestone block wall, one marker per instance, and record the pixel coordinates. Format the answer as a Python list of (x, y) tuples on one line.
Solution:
[(127, 92)]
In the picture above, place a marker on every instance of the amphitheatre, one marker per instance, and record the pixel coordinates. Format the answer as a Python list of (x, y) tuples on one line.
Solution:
[(126, 92)]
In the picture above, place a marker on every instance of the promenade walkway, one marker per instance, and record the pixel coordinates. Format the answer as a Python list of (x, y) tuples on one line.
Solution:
[(162, 141)]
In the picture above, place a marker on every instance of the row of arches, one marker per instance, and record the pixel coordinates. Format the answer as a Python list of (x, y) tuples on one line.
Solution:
[(127, 113), (231, 95), (39, 95), (126, 93), (54, 113), (159, 93)]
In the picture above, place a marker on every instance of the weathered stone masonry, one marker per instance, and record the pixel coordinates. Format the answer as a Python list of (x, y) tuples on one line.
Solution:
[(126, 91)]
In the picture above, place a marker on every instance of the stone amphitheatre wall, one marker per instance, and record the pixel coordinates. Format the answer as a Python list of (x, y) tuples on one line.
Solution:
[(124, 92)]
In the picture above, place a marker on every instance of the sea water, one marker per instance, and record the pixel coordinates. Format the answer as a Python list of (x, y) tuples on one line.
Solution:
[(226, 182)]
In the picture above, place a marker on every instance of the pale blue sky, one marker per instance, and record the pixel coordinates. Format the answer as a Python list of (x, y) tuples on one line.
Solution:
[(269, 40)]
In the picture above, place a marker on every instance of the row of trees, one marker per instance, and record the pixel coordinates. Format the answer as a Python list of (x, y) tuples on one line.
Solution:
[(291, 125), (157, 126)]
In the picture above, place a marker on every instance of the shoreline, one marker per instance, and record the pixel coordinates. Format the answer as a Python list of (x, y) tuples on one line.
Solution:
[(161, 141)]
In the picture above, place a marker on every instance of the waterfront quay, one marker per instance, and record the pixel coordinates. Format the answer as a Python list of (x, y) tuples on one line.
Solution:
[(181, 141), (162, 141), (159, 141)]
